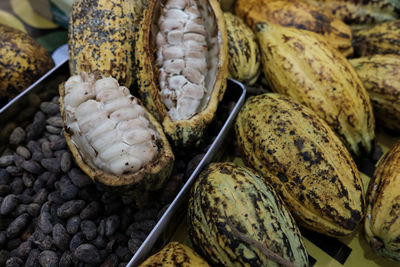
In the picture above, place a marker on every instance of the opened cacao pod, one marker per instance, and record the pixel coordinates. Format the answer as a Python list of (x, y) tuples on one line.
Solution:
[(181, 65)]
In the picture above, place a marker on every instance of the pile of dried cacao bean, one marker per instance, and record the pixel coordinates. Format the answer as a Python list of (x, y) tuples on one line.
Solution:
[(51, 214)]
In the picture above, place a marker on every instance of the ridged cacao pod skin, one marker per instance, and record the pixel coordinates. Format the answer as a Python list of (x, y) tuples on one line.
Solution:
[(361, 14), (380, 76), (311, 169), (22, 61), (301, 64), (175, 254), (101, 38), (381, 225), (150, 177), (226, 190), (244, 55), (300, 15), (383, 38), (186, 132)]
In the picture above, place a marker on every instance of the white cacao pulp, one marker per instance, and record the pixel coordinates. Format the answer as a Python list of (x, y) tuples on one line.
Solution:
[(108, 125), (182, 53)]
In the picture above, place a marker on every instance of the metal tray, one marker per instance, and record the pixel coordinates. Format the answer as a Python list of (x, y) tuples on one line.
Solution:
[(21, 109)]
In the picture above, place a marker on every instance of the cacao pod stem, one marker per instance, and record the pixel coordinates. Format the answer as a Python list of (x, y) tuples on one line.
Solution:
[(264, 249)]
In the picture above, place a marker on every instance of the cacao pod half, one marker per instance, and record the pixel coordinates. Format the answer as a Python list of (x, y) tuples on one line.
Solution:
[(181, 64), (300, 15), (113, 139), (382, 226), (226, 199), (301, 64), (380, 75), (101, 38), (22, 61), (311, 169)]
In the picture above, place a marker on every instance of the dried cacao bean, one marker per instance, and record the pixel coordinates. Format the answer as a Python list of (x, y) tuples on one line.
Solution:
[(89, 229), (70, 208), (8, 204), (60, 237), (48, 258), (17, 136), (88, 253), (49, 108)]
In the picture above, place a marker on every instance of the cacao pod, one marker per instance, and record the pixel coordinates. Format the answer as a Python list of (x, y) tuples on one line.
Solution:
[(361, 14), (311, 169), (22, 61), (181, 52), (380, 75), (383, 38), (101, 38), (227, 199), (381, 225), (244, 62), (301, 64), (297, 14), (175, 254), (113, 139)]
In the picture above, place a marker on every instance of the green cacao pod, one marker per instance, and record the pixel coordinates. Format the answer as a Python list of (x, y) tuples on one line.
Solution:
[(101, 38), (22, 61), (182, 65), (382, 226), (312, 170), (226, 199), (175, 254), (244, 55)]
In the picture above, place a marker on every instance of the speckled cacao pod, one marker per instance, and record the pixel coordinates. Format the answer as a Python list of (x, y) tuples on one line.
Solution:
[(380, 75), (244, 55), (311, 169), (301, 64), (101, 38), (361, 14), (181, 65), (381, 225), (383, 38), (113, 139), (22, 61), (175, 254), (300, 15), (227, 199)]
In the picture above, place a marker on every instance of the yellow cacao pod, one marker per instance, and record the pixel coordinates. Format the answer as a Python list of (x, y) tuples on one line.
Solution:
[(297, 14), (361, 14), (380, 75), (383, 38), (244, 62), (382, 226), (301, 64), (304, 160), (101, 38), (22, 61)]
